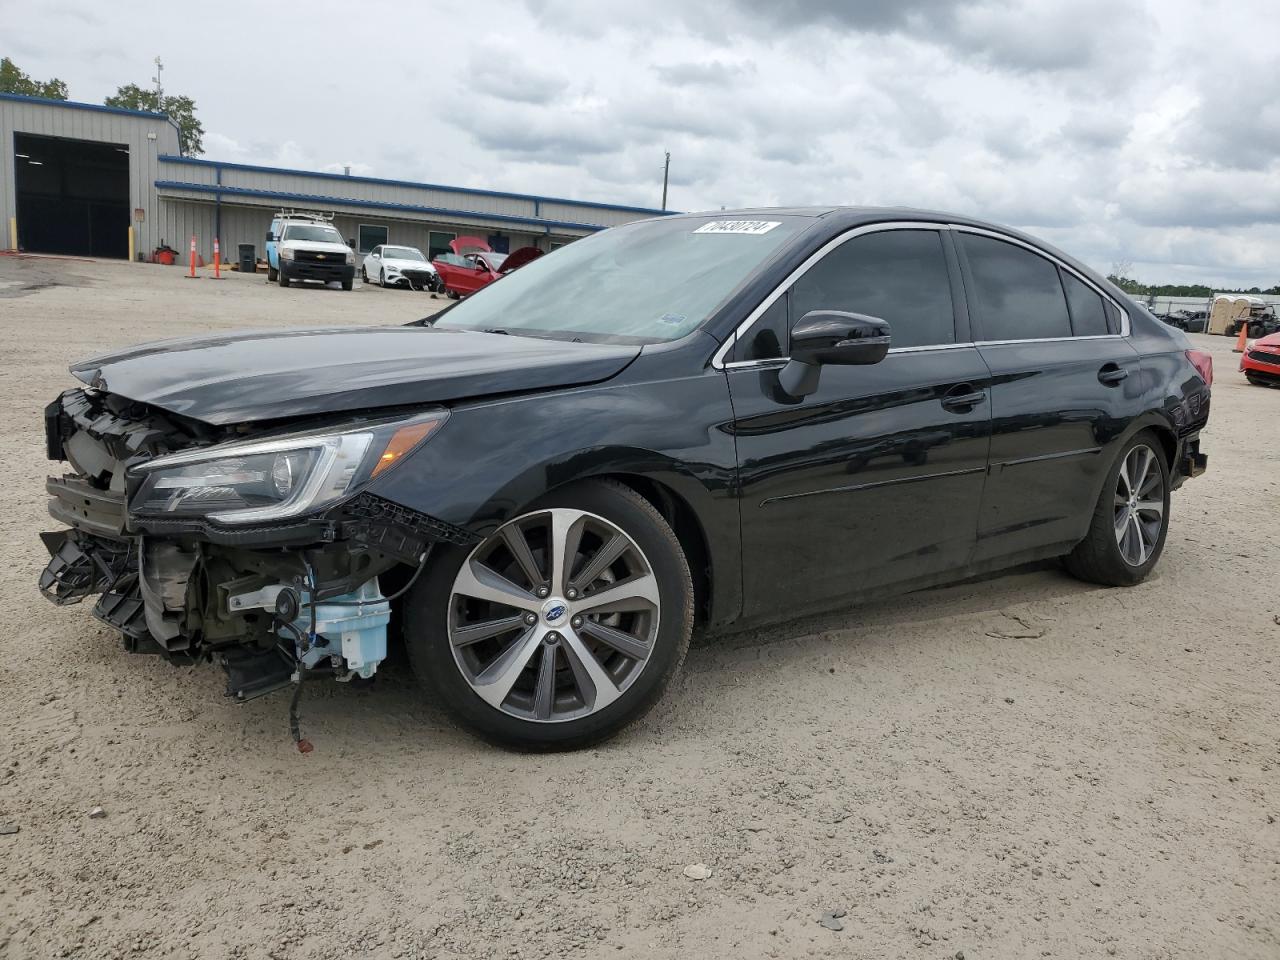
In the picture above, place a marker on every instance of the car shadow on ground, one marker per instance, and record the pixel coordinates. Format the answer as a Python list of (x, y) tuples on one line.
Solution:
[(390, 708)]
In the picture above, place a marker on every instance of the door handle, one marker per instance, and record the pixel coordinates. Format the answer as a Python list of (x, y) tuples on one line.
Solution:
[(1111, 374), (963, 398)]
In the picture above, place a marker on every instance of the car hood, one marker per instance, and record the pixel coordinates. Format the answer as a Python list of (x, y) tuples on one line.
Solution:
[(520, 258), (323, 246), (464, 245), (270, 374), (399, 264), (1270, 340)]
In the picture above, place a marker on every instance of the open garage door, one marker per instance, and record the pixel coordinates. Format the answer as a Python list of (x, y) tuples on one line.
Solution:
[(73, 196)]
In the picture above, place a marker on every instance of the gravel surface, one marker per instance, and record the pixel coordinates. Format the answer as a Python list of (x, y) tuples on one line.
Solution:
[(1025, 766)]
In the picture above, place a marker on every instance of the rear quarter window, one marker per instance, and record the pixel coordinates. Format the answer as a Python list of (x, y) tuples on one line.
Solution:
[(1088, 313)]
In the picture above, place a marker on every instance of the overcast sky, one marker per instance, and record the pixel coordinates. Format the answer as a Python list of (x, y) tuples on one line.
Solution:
[(1122, 131)]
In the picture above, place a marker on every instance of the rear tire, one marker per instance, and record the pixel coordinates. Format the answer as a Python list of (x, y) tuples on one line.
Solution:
[(1131, 520), (578, 709)]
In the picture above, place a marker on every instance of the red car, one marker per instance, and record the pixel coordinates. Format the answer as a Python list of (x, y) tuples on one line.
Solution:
[(473, 265), (1261, 361)]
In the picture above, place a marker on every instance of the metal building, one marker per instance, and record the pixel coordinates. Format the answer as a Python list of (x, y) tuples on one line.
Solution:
[(79, 178)]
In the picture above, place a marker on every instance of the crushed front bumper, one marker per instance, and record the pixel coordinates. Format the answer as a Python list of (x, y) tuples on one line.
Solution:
[(268, 603)]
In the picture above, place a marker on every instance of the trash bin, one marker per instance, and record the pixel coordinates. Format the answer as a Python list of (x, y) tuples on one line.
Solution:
[(248, 258)]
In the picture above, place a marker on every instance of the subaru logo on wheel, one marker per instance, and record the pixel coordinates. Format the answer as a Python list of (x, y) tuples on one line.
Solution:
[(555, 612)]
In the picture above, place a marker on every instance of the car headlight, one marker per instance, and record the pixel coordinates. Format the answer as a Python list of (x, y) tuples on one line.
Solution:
[(351, 257), (265, 480), (286, 253)]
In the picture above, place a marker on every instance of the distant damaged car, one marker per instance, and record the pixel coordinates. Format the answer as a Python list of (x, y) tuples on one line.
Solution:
[(392, 266), (473, 265)]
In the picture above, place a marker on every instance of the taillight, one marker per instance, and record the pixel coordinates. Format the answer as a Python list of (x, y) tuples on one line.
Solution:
[(1203, 363)]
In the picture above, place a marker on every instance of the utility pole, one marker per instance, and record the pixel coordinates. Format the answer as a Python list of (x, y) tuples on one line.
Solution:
[(156, 80), (666, 169)]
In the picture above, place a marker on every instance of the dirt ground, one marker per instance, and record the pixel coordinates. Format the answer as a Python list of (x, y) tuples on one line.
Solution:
[(1022, 767)]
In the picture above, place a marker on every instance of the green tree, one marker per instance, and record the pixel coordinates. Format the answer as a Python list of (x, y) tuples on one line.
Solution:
[(1129, 286), (181, 110), (13, 80)]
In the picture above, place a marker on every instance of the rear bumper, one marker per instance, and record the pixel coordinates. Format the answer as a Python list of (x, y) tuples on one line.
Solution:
[(309, 270), (1190, 461)]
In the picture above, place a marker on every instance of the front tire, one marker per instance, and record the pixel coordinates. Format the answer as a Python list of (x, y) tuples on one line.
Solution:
[(348, 284), (271, 274), (563, 627), (283, 280), (1131, 520)]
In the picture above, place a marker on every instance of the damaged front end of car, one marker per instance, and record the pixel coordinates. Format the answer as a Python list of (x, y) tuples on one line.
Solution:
[(256, 548)]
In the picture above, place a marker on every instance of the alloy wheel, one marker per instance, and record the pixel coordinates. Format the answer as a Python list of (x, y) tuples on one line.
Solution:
[(1139, 505), (555, 616)]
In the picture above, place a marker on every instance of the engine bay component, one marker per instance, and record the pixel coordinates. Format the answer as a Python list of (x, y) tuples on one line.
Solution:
[(346, 634), (350, 629)]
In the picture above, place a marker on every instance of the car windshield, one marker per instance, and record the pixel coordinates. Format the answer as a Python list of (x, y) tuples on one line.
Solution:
[(402, 253), (314, 233), (494, 259), (651, 282)]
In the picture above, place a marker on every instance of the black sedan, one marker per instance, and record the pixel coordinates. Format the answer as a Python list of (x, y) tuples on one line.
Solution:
[(684, 423)]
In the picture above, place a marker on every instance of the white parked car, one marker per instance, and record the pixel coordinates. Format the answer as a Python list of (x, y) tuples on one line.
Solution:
[(392, 266)]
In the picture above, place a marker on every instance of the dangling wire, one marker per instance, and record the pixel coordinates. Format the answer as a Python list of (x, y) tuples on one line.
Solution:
[(422, 565)]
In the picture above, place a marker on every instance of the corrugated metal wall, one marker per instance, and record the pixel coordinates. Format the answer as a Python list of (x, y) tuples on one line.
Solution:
[(174, 213), (183, 218), (85, 122)]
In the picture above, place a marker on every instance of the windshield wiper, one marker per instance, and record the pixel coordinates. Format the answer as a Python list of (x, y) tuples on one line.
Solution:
[(505, 333)]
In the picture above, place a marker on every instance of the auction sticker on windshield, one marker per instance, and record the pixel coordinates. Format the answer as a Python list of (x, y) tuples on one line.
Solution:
[(752, 228)]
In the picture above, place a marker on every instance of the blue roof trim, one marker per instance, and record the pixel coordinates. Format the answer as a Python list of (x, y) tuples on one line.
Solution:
[(98, 107), (194, 161), (323, 201)]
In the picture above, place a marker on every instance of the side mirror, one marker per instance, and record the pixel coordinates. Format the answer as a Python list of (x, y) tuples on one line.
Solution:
[(270, 236), (821, 337), (351, 243), (375, 255)]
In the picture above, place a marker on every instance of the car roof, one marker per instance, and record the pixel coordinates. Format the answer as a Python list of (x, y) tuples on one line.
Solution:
[(849, 215), (838, 219)]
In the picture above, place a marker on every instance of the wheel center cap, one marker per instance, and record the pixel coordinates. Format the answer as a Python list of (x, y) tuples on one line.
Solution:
[(554, 611)]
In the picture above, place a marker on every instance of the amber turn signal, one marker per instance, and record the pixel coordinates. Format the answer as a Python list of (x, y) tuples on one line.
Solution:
[(402, 441)]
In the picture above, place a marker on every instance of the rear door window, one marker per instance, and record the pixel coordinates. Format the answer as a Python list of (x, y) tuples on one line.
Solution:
[(1088, 315), (1017, 293)]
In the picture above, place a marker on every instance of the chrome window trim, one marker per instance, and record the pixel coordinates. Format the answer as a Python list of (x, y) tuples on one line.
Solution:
[(996, 235), (718, 361)]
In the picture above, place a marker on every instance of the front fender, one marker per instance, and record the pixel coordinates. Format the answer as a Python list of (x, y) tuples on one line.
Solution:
[(493, 458)]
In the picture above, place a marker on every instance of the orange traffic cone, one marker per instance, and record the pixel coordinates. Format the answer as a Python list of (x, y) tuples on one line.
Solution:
[(1243, 339), (192, 274), (217, 260)]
